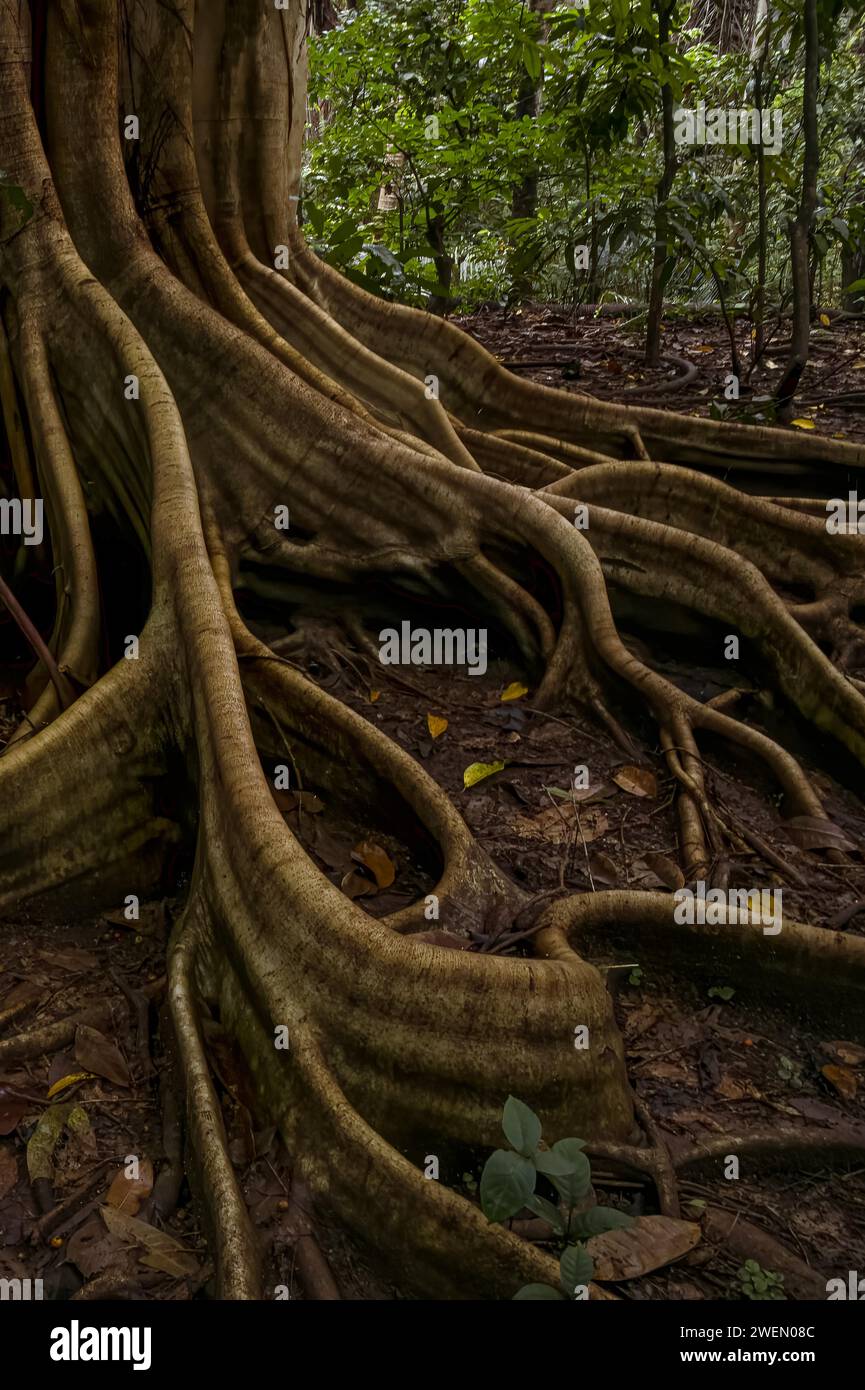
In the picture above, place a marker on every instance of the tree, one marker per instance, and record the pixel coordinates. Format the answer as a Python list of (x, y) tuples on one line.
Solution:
[(185, 370), (802, 227)]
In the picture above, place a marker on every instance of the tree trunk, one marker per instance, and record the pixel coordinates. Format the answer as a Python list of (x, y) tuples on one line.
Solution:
[(524, 199), (800, 234), (186, 371), (665, 185)]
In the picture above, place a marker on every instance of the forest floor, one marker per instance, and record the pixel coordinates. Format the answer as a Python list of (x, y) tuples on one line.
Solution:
[(602, 356), (706, 1057)]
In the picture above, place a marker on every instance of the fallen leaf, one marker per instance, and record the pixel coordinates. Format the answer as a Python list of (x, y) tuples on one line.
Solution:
[(851, 1054), (8, 1169), (374, 858), (436, 724), (669, 873), (355, 885), (163, 1251), (70, 958), (92, 1249), (65, 1081), (637, 781), (373, 696), (559, 824), (514, 691), (98, 1054), (816, 832), (126, 1193), (476, 772), (603, 868), (702, 347), (842, 1080), (13, 1108), (652, 1241), (803, 424), (825, 320)]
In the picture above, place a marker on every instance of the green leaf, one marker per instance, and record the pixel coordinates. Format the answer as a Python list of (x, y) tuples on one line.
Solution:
[(597, 1220), (576, 1185), (552, 1165), (538, 1291), (541, 1207), (576, 1267), (521, 1126), (507, 1182)]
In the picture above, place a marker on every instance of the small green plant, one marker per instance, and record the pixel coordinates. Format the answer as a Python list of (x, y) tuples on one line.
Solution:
[(508, 1185), (724, 992), (636, 976), (789, 1071), (760, 1284)]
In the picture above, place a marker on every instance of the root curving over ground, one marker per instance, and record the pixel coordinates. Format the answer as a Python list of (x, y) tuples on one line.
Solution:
[(175, 388)]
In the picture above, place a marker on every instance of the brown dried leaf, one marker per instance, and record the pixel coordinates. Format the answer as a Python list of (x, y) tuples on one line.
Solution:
[(374, 858), (13, 1108), (850, 1054), (637, 781), (652, 1241), (98, 1054), (92, 1249), (842, 1080), (816, 832), (354, 885), (70, 958), (163, 1251), (669, 873), (603, 868), (559, 824), (127, 1194)]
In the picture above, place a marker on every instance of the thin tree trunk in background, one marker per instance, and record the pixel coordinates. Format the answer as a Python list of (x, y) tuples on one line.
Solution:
[(800, 236), (665, 184), (524, 199), (762, 31)]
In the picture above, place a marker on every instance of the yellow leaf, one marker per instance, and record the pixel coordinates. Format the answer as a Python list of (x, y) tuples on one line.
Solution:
[(803, 424), (703, 347), (373, 696), (858, 365), (436, 724), (515, 691), (476, 772), (824, 319), (67, 1081)]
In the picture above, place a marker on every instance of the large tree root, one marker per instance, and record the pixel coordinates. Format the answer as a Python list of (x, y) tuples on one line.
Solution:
[(258, 390)]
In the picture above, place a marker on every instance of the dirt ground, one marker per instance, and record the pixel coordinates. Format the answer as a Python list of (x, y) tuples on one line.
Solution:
[(602, 356)]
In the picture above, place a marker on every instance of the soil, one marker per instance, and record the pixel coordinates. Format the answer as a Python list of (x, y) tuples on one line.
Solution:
[(602, 356)]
